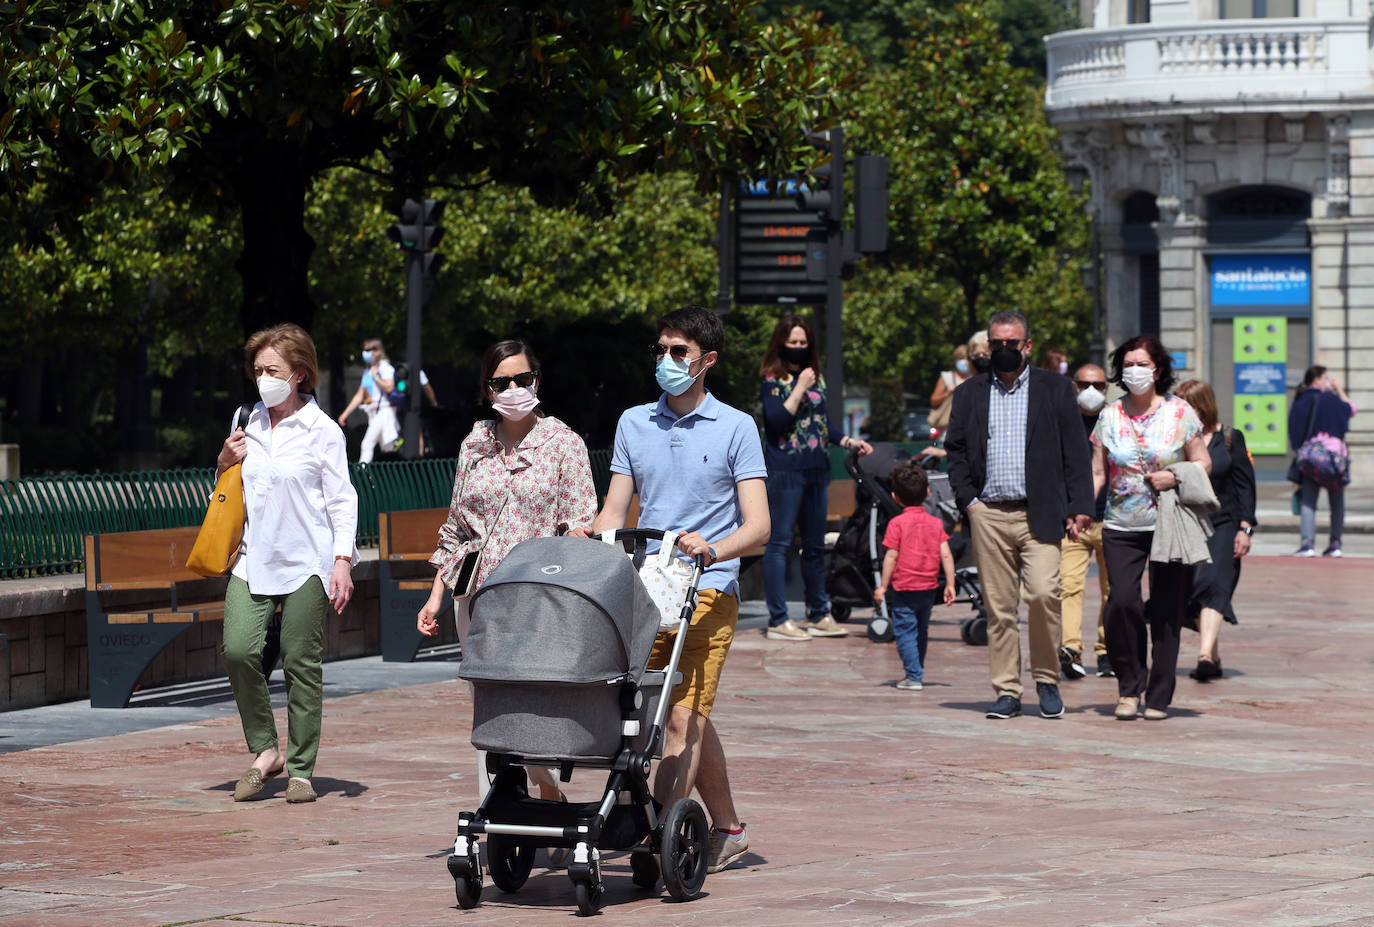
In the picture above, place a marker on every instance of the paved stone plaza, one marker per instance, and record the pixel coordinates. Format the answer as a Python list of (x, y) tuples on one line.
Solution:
[(1248, 806)]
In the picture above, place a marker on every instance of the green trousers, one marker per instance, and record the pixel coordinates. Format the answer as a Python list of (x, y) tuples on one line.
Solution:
[(246, 617)]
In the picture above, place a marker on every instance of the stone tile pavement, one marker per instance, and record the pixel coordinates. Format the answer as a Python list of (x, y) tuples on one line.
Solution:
[(1249, 806)]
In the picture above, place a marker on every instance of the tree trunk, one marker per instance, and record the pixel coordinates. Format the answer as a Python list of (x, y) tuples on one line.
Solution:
[(972, 290), (271, 185)]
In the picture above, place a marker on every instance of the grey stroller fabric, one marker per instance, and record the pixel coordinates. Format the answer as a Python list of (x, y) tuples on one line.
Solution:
[(560, 610), (558, 629)]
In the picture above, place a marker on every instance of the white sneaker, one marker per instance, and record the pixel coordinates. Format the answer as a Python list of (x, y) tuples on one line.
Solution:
[(1305, 552), (909, 685), (726, 848), (1332, 552), (787, 631)]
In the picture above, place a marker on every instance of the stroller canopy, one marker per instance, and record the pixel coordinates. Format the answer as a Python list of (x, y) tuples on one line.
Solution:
[(561, 610)]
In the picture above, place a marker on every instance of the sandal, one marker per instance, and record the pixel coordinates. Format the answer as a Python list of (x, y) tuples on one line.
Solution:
[(251, 782)]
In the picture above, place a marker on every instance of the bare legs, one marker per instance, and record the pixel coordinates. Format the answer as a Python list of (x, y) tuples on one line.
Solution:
[(1209, 629), (693, 757)]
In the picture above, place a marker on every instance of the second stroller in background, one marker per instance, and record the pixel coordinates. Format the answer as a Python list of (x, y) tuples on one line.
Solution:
[(857, 557)]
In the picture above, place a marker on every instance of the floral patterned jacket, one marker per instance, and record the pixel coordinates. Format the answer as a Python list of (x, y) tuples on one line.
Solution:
[(549, 482)]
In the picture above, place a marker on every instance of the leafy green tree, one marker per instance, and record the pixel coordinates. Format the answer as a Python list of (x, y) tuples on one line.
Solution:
[(979, 196), (249, 102)]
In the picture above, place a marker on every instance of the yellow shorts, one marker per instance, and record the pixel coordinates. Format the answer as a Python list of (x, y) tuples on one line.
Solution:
[(703, 654)]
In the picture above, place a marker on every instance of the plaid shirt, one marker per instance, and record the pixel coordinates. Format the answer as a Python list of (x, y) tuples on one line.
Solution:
[(1006, 477)]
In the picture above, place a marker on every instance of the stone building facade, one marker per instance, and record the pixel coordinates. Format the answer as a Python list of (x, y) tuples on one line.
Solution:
[(1231, 163)]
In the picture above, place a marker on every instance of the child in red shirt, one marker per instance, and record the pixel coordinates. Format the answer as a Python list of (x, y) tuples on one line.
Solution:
[(917, 548)]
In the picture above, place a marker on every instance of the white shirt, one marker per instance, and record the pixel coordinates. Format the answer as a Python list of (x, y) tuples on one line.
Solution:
[(374, 390), (302, 507)]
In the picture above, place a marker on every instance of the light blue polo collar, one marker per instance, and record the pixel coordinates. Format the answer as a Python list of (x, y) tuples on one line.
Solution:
[(709, 408)]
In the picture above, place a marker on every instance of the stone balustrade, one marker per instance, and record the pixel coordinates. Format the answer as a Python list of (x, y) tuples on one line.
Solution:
[(1209, 63)]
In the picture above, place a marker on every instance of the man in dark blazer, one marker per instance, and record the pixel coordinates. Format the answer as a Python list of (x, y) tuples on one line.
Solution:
[(1019, 468)]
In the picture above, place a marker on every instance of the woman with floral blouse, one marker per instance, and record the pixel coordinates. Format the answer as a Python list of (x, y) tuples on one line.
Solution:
[(1136, 439), (524, 475), (796, 432)]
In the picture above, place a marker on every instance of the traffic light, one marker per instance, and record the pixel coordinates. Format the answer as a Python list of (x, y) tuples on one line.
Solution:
[(825, 193), (419, 230), (870, 204), (400, 389)]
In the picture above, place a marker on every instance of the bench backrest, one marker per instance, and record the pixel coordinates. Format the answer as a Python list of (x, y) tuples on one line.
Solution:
[(409, 535), (153, 559)]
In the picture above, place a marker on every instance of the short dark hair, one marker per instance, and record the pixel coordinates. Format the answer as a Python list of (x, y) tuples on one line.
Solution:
[(1011, 317), (1164, 364), (698, 323), (492, 359), (910, 483)]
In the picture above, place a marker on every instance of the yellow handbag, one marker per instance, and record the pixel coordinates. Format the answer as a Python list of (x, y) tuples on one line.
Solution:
[(221, 532)]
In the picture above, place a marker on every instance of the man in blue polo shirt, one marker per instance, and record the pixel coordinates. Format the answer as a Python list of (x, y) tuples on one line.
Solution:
[(697, 465)]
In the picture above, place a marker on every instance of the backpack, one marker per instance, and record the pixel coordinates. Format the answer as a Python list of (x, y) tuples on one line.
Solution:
[(1324, 460)]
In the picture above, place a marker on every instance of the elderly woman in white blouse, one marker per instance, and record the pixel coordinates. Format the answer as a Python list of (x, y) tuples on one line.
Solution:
[(298, 554)]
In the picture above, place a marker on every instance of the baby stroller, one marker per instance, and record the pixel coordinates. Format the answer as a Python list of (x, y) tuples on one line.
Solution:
[(561, 636), (856, 563)]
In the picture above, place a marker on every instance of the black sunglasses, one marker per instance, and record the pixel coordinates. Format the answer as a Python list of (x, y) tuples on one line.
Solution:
[(522, 380), (679, 351), (1013, 343), (1084, 384)]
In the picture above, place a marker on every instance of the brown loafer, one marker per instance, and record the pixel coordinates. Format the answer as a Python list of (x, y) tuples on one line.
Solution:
[(299, 790), (1127, 708), (251, 782)]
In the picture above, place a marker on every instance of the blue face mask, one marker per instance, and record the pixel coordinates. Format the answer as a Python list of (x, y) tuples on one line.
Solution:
[(367, 357), (673, 377)]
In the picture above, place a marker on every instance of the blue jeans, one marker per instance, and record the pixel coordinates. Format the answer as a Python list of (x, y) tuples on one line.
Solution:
[(1307, 522), (910, 611), (796, 498)]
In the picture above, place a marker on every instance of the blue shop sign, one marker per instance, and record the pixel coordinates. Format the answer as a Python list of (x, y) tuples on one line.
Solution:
[(1260, 379), (1261, 279)]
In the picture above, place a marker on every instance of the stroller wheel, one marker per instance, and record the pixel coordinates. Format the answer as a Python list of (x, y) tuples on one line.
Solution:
[(510, 862), (588, 897), (684, 849), (839, 611), (644, 869), (977, 634), (467, 879), (468, 888), (880, 629)]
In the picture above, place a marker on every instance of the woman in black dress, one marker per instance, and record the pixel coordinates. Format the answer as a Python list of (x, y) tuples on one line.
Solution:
[(1233, 481)]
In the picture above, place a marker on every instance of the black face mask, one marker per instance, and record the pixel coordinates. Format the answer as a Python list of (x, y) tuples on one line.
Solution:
[(1007, 360), (980, 363), (795, 355)]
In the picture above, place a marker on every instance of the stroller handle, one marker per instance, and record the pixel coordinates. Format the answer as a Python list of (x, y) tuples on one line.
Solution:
[(624, 535)]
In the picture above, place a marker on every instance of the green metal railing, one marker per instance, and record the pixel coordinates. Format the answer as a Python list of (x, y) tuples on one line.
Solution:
[(44, 520)]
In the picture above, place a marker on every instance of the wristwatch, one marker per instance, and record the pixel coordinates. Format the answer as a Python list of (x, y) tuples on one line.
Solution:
[(711, 554), (1248, 529)]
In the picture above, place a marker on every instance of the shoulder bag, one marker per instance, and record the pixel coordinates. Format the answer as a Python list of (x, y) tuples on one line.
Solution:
[(667, 577), (221, 532)]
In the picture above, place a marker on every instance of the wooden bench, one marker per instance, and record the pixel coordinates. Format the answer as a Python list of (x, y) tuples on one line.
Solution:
[(122, 642), (406, 537)]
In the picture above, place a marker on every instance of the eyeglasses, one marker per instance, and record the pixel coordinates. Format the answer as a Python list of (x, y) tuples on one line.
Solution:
[(1086, 384), (995, 343), (523, 380), (679, 351)]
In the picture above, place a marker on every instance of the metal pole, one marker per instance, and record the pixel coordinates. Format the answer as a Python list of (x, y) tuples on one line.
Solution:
[(725, 250), (834, 281), (414, 309)]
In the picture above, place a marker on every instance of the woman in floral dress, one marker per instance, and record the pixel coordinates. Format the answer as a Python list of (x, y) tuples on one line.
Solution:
[(796, 432), (524, 475), (1136, 438)]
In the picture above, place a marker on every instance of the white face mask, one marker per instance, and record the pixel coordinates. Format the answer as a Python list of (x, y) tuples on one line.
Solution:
[(274, 390), (515, 403), (1092, 400), (1138, 379), (1063, 367)]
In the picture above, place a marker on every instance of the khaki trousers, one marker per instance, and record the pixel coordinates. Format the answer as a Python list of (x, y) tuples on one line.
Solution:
[(1074, 557), (1009, 556)]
